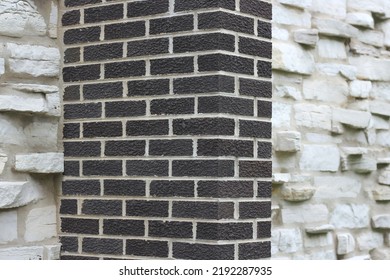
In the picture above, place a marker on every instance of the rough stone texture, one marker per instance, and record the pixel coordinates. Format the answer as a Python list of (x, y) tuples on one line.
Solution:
[(320, 158), (40, 163), (305, 214), (307, 37), (9, 222), (350, 216), (41, 224), (381, 221), (291, 58), (300, 193), (16, 194), (345, 243), (319, 229), (367, 241), (22, 253), (329, 187), (288, 141)]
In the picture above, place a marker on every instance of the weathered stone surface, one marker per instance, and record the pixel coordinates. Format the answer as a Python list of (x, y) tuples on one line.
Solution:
[(16, 194), (285, 15), (35, 88), (369, 240), (288, 92), (350, 216), (335, 8), (358, 48), (352, 118), (345, 243), (288, 141), (3, 161), (371, 68), (354, 151), (320, 158), (331, 187), (383, 138), (359, 164), (361, 19), (281, 114), (280, 178), (41, 224), (307, 37), (381, 90), (22, 253), (384, 177), (380, 108), (23, 102), (383, 160), (286, 240), (371, 37), (53, 20), (40, 163), (364, 5), (381, 221), (53, 103), (307, 213), (297, 3), (360, 89), (313, 116), (385, 27), (42, 134), (378, 122), (319, 229), (332, 69), (279, 33), (380, 254), (9, 226), (292, 58), (335, 28), (2, 66), (329, 89), (52, 252), (318, 241), (297, 193), (331, 48)]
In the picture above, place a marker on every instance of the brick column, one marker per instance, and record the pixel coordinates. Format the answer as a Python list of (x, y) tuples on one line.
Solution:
[(166, 129)]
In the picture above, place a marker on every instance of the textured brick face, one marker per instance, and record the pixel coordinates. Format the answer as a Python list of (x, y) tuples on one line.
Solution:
[(167, 108)]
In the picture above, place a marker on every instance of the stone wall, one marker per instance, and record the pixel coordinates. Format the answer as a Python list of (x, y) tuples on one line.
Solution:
[(29, 129), (331, 182)]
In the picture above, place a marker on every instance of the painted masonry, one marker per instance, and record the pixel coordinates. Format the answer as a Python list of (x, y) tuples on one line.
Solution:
[(157, 113)]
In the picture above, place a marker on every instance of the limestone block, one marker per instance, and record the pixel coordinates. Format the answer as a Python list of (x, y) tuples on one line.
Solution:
[(318, 241), (2, 66), (16, 194), (9, 226), (383, 160), (331, 48), (384, 177), (328, 89), (371, 37), (369, 240), (320, 158), (371, 68), (345, 243), (353, 118), (354, 151), (380, 108), (279, 33), (335, 8), (23, 102), (333, 27), (281, 114), (303, 4), (288, 92), (359, 258), (280, 178), (41, 224), (381, 193), (53, 103), (371, 136), (381, 90), (360, 19), (22, 253), (288, 141), (42, 134), (297, 193), (319, 229), (385, 27), (334, 69), (36, 88), (307, 37), (40, 163), (53, 20), (52, 252), (359, 48), (313, 116), (380, 254), (381, 221), (318, 138), (3, 161), (359, 164), (316, 255), (360, 89), (292, 58), (308, 213), (286, 240), (331, 187), (364, 5), (383, 138), (9, 133), (350, 216), (285, 15)]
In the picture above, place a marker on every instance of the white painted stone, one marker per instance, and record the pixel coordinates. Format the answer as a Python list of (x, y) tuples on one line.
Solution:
[(331, 48), (36, 88), (307, 37), (360, 89), (9, 133), (361, 19), (52, 252), (319, 229), (318, 241), (286, 240), (41, 224), (351, 216), (303, 4), (358, 48), (384, 177), (281, 114), (285, 15), (53, 20), (356, 119), (9, 226), (345, 243), (297, 193), (331, 187), (40, 163), (326, 88), (335, 8), (279, 33), (3, 161), (313, 116), (332, 69), (381, 91), (381, 221), (380, 108), (333, 27), (381, 193), (16, 194), (23, 102), (288, 141), (371, 68), (280, 178), (369, 240), (371, 37), (320, 158), (22, 253), (292, 58), (380, 254), (288, 92), (306, 213)]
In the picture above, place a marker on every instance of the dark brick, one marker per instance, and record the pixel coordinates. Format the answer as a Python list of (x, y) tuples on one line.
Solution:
[(124, 227), (255, 88), (72, 55), (125, 108), (224, 147), (148, 47), (264, 149), (148, 87), (69, 244), (103, 90), (102, 167), (264, 109), (256, 8), (172, 106), (125, 148), (124, 69), (72, 168), (227, 105), (68, 206), (227, 21), (264, 29), (264, 189), (204, 42), (71, 18), (254, 250), (225, 189), (170, 147), (263, 229), (81, 226), (204, 84), (255, 129), (185, 5), (203, 210), (72, 3), (124, 30), (81, 187), (152, 127), (255, 209), (172, 188), (203, 126), (171, 24), (78, 258), (71, 93), (103, 246), (81, 73), (104, 13), (102, 129), (203, 168), (170, 229), (124, 187), (202, 251), (255, 47), (172, 65), (102, 207), (103, 52), (82, 111), (143, 208), (82, 149), (147, 167), (225, 231), (146, 8), (259, 169), (147, 248), (264, 69), (228, 63), (82, 35)]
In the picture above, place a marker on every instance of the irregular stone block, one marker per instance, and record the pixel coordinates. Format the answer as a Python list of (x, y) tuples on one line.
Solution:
[(383, 161), (370, 68), (40, 163), (360, 89), (333, 27), (381, 221), (380, 123), (297, 193), (9, 226), (318, 241), (288, 141), (380, 254), (285, 15), (381, 90), (16, 194), (52, 252), (280, 178), (53, 20), (329, 89), (288, 92), (2, 66), (281, 114), (23, 102), (331, 48), (345, 243), (354, 151), (359, 48), (320, 158), (385, 27), (335, 8), (310, 213), (369, 240), (333, 69), (42, 134), (53, 105), (352, 118), (307, 37), (359, 164), (361, 19), (380, 108), (350, 216), (336, 187), (3, 161), (34, 88), (372, 37), (292, 58), (41, 224), (313, 116), (319, 229), (384, 177), (303, 4), (383, 138), (22, 253), (364, 5), (286, 240)]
